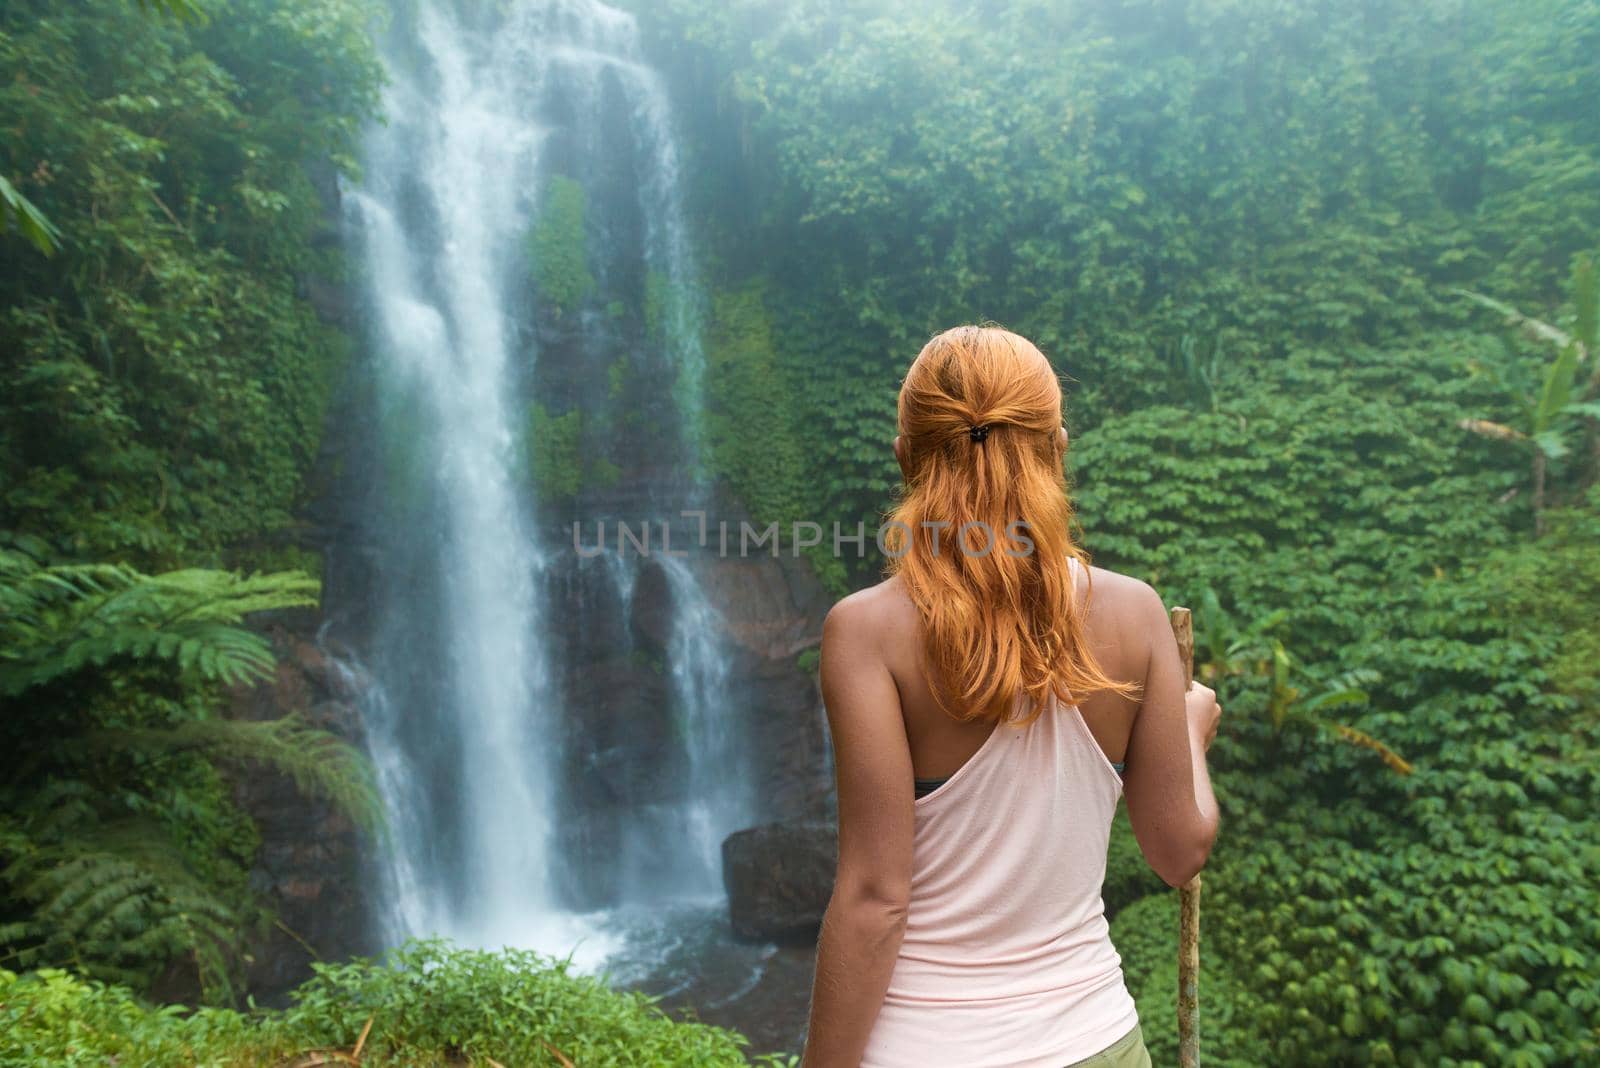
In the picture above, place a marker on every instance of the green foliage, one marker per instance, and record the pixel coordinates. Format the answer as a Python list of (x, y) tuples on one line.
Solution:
[(428, 1004), (560, 461), (184, 10), (163, 383), (62, 620), (753, 441), (52, 1017), (561, 454), (555, 454), (1586, 304), (1551, 413), (116, 900), (1110, 180), (120, 850), (29, 220), (1327, 459), (558, 246), (1128, 876), (1355, 916), (1145, 935), (1563, 405), (511, 1005), (1556, 589)]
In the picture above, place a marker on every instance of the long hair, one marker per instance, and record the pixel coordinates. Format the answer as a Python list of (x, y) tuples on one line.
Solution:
[(981, 532)]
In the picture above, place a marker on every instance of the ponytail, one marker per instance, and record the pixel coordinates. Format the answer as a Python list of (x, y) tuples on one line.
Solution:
[(981, 532)]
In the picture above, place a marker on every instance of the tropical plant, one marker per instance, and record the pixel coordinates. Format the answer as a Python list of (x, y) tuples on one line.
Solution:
[(29, 220), (1224, 651), (1562, 398), (164, 379), (18, 210), (119, 849), (1288, 704), (555, 456), (1196, 376), (1222, 648), (425, 1003)]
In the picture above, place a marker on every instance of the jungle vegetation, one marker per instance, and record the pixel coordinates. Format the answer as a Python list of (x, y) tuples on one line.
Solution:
[(164, 381), (1321, 281)]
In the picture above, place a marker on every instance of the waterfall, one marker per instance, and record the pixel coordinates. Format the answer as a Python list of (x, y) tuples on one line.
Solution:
[(551, 734)]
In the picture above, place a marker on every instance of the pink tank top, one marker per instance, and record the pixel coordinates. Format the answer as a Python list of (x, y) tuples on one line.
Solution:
[(1007, 959)]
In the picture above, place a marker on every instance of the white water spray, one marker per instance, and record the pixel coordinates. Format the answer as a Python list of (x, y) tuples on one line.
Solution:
[(463, 712)]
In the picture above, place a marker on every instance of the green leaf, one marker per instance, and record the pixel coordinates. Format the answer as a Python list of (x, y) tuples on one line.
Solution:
[(1557, 390), (29, 220), (1590, 409), (1551, 443)]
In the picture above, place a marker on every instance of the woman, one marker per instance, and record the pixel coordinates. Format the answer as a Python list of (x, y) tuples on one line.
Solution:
[(983, 702)]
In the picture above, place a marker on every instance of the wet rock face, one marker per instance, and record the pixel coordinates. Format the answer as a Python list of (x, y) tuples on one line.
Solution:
[(308, 867), (624, 752), (779, 877), (773, 609)]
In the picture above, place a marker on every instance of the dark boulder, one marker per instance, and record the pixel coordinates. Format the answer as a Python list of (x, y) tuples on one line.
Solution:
[(779, 877)]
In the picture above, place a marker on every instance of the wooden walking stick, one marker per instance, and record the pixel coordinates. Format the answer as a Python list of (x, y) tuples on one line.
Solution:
[(1189, 898)]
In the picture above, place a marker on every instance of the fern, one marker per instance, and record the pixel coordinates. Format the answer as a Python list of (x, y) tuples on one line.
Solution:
[(119, 901), (320, 764), (60, 620), (120, 850)]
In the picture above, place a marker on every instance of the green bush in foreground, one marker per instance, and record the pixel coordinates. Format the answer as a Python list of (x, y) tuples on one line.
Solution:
[(429, 1003), (1146, 936)]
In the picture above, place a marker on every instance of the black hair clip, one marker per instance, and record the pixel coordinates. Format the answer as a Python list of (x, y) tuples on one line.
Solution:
[(979, 433)]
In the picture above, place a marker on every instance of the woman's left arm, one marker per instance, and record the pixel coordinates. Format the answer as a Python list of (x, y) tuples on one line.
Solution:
[(866, 917)]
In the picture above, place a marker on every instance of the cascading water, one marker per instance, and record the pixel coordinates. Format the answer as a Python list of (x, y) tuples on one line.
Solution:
[(550, 728)]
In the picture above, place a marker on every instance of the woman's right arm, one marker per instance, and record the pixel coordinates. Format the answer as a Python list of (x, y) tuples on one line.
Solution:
[(1168, 789)]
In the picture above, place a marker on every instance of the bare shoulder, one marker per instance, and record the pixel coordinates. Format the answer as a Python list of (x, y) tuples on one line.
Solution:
[(869, 615), (1117, 591), (863, 641), (1124, 607)]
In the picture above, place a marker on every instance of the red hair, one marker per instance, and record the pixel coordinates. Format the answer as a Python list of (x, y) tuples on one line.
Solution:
[(980, 420)]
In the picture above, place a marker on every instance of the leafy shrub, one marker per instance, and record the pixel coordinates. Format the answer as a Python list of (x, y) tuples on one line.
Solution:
[(513, 1005), (1146, 936), (1556, 588), (754, 443), (120, 848), (1354, 915), (427, 1004), (56, 1019)]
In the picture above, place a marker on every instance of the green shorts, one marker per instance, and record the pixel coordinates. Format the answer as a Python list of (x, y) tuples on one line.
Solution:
[(1126, 1052)]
